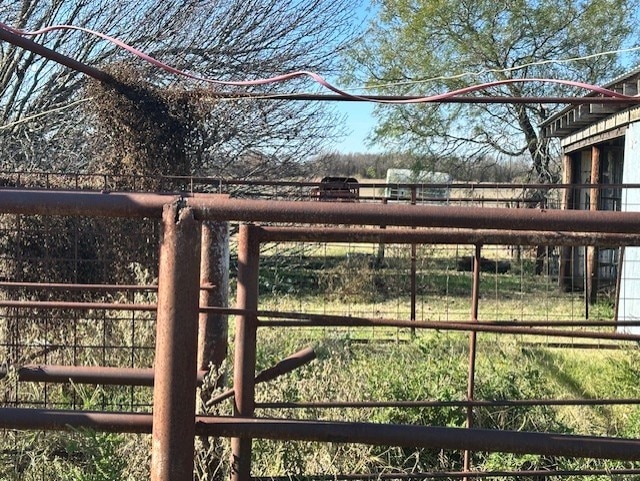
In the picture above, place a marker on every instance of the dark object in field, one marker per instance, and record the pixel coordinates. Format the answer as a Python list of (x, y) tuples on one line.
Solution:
[(344, 189), (486, 265)]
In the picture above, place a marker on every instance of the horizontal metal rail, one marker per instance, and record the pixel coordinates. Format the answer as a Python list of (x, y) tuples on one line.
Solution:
[(534, 473), (209, 207), (288, 317), (62, 286), (71, 305), (291, 319), (99, 306), (221, 207), (55, 286), (446, 236), (119, 376), (324, 321), (115, 376), (84, 203), (18, 176), (444, 404), (464, 99), (483, 440)]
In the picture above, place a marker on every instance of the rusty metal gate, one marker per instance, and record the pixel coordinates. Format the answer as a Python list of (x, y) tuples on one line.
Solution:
[(190, 333)]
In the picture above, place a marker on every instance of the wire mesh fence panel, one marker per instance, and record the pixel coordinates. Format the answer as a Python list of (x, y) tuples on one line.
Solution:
[(45, 456), (50, 265), (34, 337), (516, 283), (355, 303)]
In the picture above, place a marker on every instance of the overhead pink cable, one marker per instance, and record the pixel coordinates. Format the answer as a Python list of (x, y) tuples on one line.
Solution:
[(314, 76)]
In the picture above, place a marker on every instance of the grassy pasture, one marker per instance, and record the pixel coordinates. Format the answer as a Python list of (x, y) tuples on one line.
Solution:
[(367, 364)]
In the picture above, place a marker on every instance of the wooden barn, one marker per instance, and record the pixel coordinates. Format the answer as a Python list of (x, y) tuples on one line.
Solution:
[(601, 146)]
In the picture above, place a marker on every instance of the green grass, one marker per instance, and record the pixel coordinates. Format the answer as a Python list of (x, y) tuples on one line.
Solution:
[(359, 283), (432, 365)]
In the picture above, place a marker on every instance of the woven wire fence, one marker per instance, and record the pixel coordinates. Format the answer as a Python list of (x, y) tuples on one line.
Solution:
[(63, 260)]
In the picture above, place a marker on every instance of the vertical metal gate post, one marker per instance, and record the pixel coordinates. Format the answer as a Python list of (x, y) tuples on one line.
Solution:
[(414, 198), (174, 392), (473, 339), (245, 345)]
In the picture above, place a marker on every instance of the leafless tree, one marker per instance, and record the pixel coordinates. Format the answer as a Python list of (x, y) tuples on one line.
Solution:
[(43, 107)]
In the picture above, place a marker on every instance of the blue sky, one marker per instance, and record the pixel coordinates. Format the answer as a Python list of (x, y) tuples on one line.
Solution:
[(359, 121), (358, 116)]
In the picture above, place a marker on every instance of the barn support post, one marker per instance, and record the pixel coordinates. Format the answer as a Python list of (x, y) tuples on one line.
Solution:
[(245, 345), (591, 272), (174, 392), (565, 273)]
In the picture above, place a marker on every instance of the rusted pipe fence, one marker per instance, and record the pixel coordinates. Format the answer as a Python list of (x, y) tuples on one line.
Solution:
[(219, 207), (252, 235), (141, 376), (183, 312), (338, 432), (513, 474), (485, 194)]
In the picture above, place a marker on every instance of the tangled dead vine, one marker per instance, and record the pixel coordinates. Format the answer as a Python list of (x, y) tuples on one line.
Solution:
[(144, 130)]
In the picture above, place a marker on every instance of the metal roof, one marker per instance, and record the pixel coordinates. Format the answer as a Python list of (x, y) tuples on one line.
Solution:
[(577, 117)]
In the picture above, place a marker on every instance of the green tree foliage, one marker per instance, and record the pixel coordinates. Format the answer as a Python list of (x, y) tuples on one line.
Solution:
[(433, 46)]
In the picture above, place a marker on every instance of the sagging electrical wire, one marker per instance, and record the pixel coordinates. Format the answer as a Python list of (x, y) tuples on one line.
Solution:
[(515, 68), (312, 75)]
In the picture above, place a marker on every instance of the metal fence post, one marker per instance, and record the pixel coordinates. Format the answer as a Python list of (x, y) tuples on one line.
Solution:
[(414, 198), (174, 393), (245, 345), (473, 337)]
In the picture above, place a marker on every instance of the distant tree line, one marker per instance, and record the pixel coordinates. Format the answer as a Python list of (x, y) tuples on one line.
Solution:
[(461, 169)]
